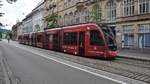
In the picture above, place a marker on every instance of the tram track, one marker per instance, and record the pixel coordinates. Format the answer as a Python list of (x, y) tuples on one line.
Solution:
[(138, 63), (120, 71), (134, 69), (130, 68)]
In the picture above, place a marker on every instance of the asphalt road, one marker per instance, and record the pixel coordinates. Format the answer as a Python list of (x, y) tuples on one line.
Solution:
[(31, 68)]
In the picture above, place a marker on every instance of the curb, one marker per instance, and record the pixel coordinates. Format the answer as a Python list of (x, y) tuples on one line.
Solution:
[(134, 58)]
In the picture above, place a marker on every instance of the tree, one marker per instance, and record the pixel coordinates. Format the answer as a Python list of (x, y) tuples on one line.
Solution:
[(0, 28), (11, 1), (1, 24), (0, 35), (1, 4), (95, 15), (37, 26), (1, 14), (52, 20)]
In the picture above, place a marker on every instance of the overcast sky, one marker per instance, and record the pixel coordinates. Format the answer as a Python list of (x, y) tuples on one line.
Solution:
[(16, 11)]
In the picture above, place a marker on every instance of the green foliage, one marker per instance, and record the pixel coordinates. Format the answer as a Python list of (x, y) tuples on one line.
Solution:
[(37, 26), (1, 24), (1, 14), (11, 1), (95, 15), (0, 35), (52, 24), (52, 20)]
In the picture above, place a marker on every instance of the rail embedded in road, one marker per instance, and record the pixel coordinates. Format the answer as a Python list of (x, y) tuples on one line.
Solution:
[(134, 69)]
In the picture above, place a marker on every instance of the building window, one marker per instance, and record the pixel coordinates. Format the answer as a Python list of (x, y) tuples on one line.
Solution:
[(65, 19), (128, 36), (77, 17), (128, 7), (87, 16), (128, 29), (70, 18), (65, 4), (144, 36), (111, 10), (69, 2), (144, 28), (144, 6), (82, 16)]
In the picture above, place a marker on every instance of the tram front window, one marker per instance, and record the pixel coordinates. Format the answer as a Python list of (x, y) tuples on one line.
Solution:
[(110, 38)]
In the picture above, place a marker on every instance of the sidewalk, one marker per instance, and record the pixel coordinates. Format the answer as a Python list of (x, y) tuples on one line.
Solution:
[(134, 55)]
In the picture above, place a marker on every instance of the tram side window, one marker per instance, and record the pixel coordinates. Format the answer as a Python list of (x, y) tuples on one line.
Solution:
[(39, 38), (27, 38), (32, 38), (95, 38), (70, 38), (50, 38)]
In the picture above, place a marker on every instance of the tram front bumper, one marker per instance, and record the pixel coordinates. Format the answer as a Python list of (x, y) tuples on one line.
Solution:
[(111, 54)]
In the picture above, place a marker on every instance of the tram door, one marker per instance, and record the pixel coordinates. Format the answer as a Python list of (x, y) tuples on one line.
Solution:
[(46, 41), (56, 44), (82, 43)]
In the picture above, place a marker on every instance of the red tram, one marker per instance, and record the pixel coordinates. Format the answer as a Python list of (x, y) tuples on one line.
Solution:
[(26, 39), (39, 39), (20, 39), (53, 39), (91, 40)]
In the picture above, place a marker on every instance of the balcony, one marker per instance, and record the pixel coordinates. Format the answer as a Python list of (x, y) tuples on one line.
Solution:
[(89, 2), (80, 4), (133, 18)]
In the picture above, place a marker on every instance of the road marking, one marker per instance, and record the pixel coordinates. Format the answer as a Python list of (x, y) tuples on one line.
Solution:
[(79, 68), (72, 64)]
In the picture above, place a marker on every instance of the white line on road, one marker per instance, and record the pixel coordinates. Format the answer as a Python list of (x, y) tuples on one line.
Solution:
[(73, 65), (96, 74)]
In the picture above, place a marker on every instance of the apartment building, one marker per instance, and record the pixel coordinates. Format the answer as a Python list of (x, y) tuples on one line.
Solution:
[(27, 24), (34, 21), (17, 30), (130, 19), (37, 17), (133, 24)]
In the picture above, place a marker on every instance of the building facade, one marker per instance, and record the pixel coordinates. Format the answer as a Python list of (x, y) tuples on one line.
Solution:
[(14, 31), (129, 18), (33, 22), (37, 17), (133, 24), (27, 24), (3, 32)]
